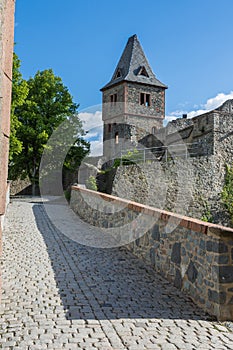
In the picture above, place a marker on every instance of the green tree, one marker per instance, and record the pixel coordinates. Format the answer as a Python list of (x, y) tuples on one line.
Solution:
[(19, 95), (47, 105)]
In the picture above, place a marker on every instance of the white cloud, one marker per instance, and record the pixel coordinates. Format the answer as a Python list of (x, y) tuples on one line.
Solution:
[(210, 104), (173, 115), (218, 100), (168, 118), (92, 122), (95, 133), (96, 148)]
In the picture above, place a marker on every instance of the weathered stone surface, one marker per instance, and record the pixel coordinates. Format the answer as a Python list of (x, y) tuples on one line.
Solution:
[(176, 253), (222, 259), (178, 279), (225, 274), (155, 233), (219, 298), (217, 247), (152, 256), (6, 55), (192, 272)]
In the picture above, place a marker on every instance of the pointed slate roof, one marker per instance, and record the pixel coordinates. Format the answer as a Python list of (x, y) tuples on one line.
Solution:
[(134, 67)]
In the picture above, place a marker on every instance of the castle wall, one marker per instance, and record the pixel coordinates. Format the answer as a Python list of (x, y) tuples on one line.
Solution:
[(201, 177), (193, 255), (6, 48), (189, 187)]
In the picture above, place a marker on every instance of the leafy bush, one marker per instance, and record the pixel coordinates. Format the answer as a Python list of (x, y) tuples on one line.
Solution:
[(207, 216), (67, 194), (91, 183)]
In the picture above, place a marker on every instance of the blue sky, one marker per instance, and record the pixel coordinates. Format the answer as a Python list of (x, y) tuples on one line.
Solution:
[(188, 44)]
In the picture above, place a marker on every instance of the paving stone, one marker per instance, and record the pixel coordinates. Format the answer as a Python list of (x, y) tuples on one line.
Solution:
[(58, 294)]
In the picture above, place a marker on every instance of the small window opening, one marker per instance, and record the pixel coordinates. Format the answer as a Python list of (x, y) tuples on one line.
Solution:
[(153, 130), (143, 72), (118, 74), (116, 138), (109, 127), (145, 99), (113, 98)]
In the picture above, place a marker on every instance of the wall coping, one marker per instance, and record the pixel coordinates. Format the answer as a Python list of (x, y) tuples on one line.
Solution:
[(195, 225)]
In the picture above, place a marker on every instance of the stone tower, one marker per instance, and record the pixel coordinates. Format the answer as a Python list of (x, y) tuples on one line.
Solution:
[(133, 101)]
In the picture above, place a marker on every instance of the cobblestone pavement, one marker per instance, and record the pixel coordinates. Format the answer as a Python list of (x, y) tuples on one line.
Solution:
[(58, 294)]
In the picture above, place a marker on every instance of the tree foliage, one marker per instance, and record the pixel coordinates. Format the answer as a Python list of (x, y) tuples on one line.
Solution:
[(19, 95), (48, 103)]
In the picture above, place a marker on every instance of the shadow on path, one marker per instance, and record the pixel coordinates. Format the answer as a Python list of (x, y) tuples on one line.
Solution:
[(101, 284)]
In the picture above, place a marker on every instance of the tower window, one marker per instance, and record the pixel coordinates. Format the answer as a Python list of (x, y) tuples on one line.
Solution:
[(143, 71), (154, 130), (118, 74), (116, 138), (113, 98), (145, 99)]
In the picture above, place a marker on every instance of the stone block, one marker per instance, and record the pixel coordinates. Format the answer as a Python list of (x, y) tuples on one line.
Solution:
[(222, 259), (216, 247), (192, 272), (178, 279), (218, 298), (155, 233), (176, 253), (225, 274)]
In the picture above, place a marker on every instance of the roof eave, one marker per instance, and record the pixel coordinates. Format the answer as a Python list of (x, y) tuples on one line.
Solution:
[(161, 85)]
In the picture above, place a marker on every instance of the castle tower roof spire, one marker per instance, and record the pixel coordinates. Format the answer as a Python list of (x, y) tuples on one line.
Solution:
[(133, 66)]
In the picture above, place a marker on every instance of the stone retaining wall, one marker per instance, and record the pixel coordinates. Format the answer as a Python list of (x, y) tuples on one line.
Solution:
[(195, 256), (191, 187)]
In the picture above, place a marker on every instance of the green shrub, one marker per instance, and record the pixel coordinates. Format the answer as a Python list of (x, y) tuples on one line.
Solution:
[(207, 216), (227, 193), (67, 194), (91, 183)]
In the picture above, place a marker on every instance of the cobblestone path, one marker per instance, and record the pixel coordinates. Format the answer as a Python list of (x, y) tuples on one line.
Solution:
[(58, 294)]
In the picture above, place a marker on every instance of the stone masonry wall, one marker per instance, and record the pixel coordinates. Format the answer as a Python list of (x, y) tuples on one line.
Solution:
[(189, 187), (112, 111), (195, 256), (6, 50), (157, 107)]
